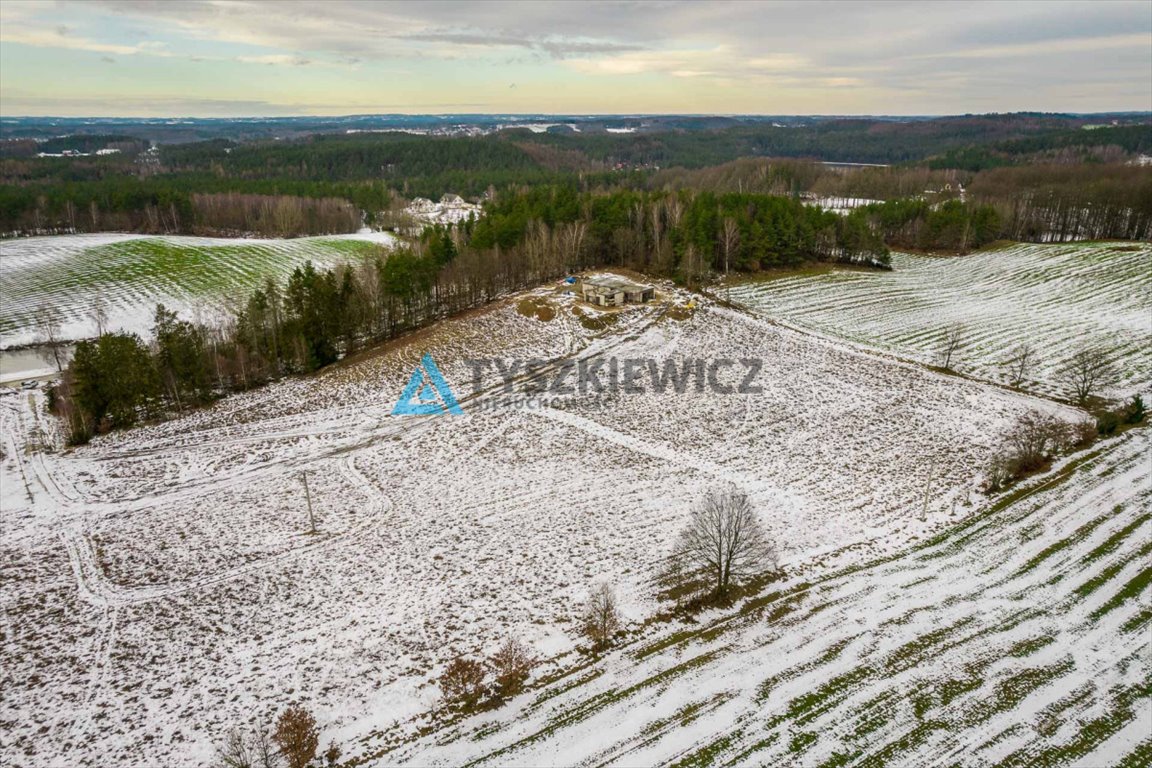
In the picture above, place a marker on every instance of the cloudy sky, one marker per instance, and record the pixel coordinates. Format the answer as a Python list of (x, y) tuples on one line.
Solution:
[(286, 57)]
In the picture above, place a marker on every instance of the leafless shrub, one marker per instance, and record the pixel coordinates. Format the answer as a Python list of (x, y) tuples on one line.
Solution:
[(244, 751), (722, 545), (1084, 433), (998, 473), (1031, 443), (332, 754), (1087, 372), (601, 619), (297, 736), (1034, 437), (511, 666), (463, 682)]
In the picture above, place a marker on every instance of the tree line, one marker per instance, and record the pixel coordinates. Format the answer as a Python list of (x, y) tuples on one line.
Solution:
[(318, 316)]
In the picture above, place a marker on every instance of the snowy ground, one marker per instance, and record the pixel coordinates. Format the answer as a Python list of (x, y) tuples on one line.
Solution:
[(1019, 639), (132, 273), (1058, 298), (160, 586)]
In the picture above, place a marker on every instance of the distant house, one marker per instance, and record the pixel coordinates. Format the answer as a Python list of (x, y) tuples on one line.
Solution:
[(613, 291)]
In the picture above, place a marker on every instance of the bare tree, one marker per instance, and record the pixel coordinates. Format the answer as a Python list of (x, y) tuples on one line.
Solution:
[(953, 341), (511, 666), (1087, 372), (601, 619), (297, 736), (729, 239), (235, 752), (1021, 362), (48, 327), (240, 751), (98, 312), (724, 543)]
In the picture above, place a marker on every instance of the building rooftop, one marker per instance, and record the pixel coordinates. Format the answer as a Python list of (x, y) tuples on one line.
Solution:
[(613, 283)]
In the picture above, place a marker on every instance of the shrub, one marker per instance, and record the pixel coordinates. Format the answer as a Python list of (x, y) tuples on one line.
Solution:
[(297, 736), (463, 682), (1034, 438), (1084, 433), (1134, 412), (999, 473), (1107, 423), (511, 666), (247, 751), (601, 619)]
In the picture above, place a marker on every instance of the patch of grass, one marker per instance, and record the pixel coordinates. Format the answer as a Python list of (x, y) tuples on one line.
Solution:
[(679, 312), (1011, 691), (707, 754), (1139, 621), (1130, 591), (909, 741), (1109, 573), (664, 643), (536, 307), (758, 746), (801, 742), (595, 321), (912, 653), (1030, 646), (1090, 735), (807, 707), (1114, 541), (1077, 536)]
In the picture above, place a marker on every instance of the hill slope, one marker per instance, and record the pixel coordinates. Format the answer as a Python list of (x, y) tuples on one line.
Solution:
[(1018, 639)]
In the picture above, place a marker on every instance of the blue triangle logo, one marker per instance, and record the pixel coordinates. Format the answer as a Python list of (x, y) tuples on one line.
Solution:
[(427, 393)]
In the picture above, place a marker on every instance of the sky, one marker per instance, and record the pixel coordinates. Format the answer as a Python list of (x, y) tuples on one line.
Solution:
[(233, 58)]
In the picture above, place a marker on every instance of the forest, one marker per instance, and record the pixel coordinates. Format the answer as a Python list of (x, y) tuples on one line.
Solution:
[(169, 188)]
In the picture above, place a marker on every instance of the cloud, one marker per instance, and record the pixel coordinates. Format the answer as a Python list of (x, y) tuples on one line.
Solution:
[(273, 59), (748, 52)]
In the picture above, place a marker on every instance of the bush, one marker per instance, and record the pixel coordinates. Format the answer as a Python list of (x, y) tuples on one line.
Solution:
[(297, 736), (601, 619), (1031, 443), (1134, 412), (1107, 423), (463, 682), (241, 750), (999, 473), (1084, 433), (511, 666), (1034, 438)]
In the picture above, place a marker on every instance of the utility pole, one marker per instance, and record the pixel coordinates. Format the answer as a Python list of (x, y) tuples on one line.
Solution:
[(927, 492), (308, 496)]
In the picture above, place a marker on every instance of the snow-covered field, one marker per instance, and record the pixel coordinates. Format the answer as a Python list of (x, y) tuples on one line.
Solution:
[(132, 273), (160, 585), (1019, 639), (1058, 298)]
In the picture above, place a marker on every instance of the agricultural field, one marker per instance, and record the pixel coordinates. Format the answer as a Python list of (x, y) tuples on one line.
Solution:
[(162, 585), (1019, 638), (1057, 298), (132, 273)]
